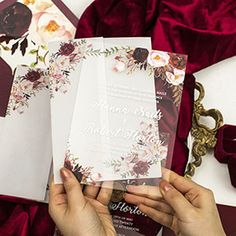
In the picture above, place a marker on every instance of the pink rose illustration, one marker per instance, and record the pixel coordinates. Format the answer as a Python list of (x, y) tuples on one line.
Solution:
[(158, 59), (119, 67), (175, 78), (50, 23)]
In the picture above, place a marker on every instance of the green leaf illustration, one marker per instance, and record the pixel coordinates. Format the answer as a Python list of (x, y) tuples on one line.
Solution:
[(33, 51), (44, 47), (5, 48), (41, 59), (33, 64)]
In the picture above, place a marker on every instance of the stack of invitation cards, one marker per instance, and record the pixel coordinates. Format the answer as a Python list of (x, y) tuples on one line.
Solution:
[(105, 108)]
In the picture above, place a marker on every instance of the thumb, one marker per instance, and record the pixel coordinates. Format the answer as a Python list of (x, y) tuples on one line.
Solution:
[(175, 199), (73, 189)]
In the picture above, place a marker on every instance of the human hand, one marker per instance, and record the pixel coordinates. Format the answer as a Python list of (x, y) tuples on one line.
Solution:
[(78, 213), (179, 204)]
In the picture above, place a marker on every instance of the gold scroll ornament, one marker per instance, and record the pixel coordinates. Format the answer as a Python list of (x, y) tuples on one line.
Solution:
[(204, 137)]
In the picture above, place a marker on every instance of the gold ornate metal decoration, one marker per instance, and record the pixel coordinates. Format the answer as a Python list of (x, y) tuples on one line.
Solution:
[(204, 137)]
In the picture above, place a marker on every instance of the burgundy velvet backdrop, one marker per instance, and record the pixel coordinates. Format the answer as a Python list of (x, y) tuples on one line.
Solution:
[(203, 29)]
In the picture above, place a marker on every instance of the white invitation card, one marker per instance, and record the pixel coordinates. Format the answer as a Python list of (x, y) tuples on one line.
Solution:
[(66, 59), (111, 128), (26, 136)]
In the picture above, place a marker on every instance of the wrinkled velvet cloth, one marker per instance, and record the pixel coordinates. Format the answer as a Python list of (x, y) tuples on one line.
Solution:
[(19, 217), (203, 29), (225, 149)]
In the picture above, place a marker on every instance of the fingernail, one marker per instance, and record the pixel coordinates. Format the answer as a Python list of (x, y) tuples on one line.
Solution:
[(127, 188), (130, 188), (166, 187), (65, 174)]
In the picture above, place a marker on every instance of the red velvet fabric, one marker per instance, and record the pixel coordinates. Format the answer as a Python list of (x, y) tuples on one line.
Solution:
[(203, 29), (19, 217), (225, 149)]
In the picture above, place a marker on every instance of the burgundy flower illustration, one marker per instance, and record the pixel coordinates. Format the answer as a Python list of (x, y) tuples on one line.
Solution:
[(27, 84), (33, 75), (15, 20), (68, 165), (140, 54), (148, 151), (66, 49), (141, 168), (178, 61), (169, 67), (82, 173), (78, 172), (68, 56)]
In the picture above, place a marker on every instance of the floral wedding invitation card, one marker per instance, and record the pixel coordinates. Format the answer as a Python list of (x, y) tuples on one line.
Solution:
[(66, 60), (168, 71), (133, 117), (25, 138), (113, 118), (109, 131)]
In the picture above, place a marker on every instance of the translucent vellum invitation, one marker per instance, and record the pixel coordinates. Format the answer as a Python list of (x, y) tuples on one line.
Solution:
[(66, 60), (25, 140), (168, 71), (136, 149), (105, 93), (115, 120)]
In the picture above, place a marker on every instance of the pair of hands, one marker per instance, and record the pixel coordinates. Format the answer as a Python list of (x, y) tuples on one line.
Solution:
[(180, 204)]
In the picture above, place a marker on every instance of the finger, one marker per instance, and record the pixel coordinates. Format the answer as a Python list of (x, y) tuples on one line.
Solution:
[(201, 198), (105, 193), (158, 205), (196, 194), (158, 216), (60, 199), (54, 190), (151, 192), (73, 189), (175, 199), (91, 191), (55, 193), (179, 182)]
